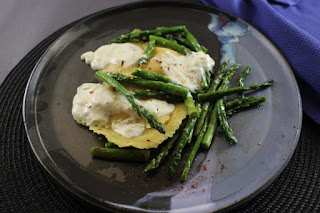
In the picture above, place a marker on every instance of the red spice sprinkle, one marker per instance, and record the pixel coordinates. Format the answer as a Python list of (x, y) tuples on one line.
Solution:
[(148, 140), (260, 144), (282, 135), (91, 92), (203, 190), (262, 162), (122, 62), (141, 106), (99, 129), (92, 133), (47, 124), (194, 186), (168, 68), (100, 138), (204, 168), (294, 126), (149, 68), (89, 106)]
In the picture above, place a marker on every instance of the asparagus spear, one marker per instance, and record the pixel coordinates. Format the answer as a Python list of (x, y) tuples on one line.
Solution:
[(134, 102), (245, 105), (139, 155), (147, 53), (205, 106), (110, 145), (170, 44), (242, 76), (192, 110), (194, 151), (184, 138), (211, 129), (206, 142), (186, 43), (157, 85), (144, 35), (155, 162), (238, 101), (145, 74), (225, 92), (143, 94), (193, 41), (189, 102), (224, 122)]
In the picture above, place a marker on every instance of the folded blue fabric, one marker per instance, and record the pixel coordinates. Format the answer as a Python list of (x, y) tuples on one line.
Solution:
[(294, 27)]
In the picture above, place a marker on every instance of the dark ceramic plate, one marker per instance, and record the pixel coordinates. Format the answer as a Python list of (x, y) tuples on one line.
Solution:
[(221, 177)]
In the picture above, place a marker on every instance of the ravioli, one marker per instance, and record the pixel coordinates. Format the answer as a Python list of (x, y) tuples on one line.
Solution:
[(150, 138)]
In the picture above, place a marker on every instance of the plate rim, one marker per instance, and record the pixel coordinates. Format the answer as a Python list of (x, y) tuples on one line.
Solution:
[(67, 184)]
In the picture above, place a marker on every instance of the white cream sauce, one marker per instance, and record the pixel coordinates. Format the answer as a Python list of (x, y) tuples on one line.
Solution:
[(94, 104), (186, 70), (123, 54)]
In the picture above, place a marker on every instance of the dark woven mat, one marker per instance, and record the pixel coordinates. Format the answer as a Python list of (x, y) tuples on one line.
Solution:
[(26, 187)]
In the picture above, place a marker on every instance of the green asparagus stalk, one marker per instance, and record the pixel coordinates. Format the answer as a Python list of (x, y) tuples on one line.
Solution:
[(194, 151), (189, 102), (155, 162), (170, 44), (164, 151), (225, 92), (206, 142), (180, 144), (145, 74), (211, 129), (116, 154), (224, 122), (205, 106), (192, 110), (147, 53), (204, 81), (236, 102), (193, 41), (157, 85), (154, 123), (144, 35), (245, 105), (186, 43), (110, 145), (143, 94), (242, 77)]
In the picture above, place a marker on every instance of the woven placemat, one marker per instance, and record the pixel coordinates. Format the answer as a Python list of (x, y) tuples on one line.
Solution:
[(26, 187)]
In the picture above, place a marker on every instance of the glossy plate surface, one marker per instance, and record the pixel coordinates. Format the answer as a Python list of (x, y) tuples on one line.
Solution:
[(222, 176)]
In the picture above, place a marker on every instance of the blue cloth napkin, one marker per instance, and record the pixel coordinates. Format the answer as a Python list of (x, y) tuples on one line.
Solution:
[(294, 27)]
